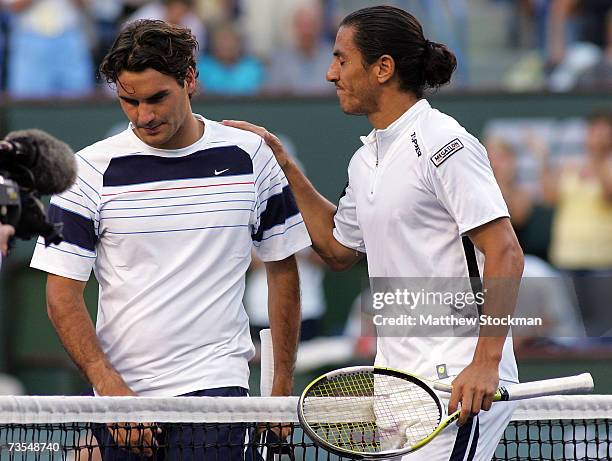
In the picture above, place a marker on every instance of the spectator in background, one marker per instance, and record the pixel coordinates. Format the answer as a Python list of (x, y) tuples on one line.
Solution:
[(530, 217), (178, 12), (582, 230), (543, 294), (267, 24), (106, 16), (301, 68), (577, 36), (600, 75), (517, 197), (49, 54), (218, 11), (227, 70)]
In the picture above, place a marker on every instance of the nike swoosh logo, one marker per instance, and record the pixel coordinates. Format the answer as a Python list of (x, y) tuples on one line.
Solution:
[(217, 173)]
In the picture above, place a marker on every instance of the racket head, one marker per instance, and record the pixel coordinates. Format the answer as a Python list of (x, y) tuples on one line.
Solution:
[(369, 412)]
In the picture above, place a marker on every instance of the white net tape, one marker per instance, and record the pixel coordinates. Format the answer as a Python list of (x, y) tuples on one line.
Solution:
[(40, 410)]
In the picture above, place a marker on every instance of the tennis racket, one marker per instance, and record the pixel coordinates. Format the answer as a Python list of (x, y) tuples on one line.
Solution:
[(377, 413)]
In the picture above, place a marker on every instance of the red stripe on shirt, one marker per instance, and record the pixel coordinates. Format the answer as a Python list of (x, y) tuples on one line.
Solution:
[(179, 188)]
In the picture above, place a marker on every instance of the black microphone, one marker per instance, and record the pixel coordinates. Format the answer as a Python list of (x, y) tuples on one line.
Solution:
[(50, 161)]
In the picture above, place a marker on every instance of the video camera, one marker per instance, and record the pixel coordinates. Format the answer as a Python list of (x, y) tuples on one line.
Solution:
[(32, 164)]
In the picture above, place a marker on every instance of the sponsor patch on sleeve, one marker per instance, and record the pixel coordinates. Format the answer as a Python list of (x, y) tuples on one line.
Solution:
[(447, 151)]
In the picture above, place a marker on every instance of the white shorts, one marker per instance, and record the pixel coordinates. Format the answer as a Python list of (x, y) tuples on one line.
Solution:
[(474, 441)]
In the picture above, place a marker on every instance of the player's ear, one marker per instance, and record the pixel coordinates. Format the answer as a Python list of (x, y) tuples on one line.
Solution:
[(385, 66), (191, 80)]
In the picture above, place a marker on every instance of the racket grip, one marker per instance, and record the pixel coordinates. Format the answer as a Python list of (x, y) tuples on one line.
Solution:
[(267, 363), (442, 387), (580, 384)]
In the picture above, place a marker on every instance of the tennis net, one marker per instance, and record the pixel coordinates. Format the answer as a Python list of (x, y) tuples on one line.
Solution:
[(232, 428)]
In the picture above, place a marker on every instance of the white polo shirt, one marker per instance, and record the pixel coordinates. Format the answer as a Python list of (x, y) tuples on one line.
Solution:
[(414, 189), (168, 234)]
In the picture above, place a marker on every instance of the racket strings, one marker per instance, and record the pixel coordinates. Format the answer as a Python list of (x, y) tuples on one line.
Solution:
[(369, 413)]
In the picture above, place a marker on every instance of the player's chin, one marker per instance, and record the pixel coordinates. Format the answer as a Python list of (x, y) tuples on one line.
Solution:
[(154, 138), (352, 109)]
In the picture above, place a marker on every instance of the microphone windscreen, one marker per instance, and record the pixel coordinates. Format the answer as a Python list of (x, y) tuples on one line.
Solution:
[(55, 169)]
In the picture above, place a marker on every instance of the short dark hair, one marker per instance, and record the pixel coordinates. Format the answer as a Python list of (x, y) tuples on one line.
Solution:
[(153, 44), (419, 63)]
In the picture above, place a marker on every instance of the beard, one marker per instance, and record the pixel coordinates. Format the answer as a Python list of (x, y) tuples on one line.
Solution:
[(364, 104)]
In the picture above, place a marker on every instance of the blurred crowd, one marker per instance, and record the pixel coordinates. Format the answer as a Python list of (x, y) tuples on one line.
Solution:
[(559, 193), (570, 43), (51, 48)]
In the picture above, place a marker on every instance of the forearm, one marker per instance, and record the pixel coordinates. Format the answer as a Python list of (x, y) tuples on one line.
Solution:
[(74, 327), (284, 314), (318, 214), (501, 282)]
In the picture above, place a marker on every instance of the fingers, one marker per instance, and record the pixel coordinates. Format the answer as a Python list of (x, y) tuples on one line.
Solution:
[(6, 232), (487, 402), (282, 430), (241, 125), (269, 138), (472, 400), (477, 396), (138, 438), (286, 431), (469, 403), (466, 408), (148, 441), (454, 400)]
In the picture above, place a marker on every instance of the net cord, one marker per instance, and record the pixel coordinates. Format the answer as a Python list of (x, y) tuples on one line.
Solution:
[(54, 409)]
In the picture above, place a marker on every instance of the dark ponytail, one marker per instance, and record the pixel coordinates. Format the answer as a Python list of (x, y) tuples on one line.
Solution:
[(419, 63), (439, 64)]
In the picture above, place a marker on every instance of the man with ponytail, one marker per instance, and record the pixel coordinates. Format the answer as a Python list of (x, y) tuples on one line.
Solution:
[(422, 203)]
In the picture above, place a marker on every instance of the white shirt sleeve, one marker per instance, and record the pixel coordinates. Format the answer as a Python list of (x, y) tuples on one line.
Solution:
[(278, 229), (346, 230), (464, 183), (74, 258)]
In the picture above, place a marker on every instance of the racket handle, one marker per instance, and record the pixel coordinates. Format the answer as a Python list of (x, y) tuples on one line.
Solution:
[(580, 384), (267, 363), (442, 387)]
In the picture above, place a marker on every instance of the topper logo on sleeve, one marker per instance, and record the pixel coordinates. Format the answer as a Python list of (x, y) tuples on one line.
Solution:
[(448, 150), (417, 149)]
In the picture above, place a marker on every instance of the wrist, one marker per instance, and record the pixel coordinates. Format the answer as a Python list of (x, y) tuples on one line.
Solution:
[(282, 387), (489, 351), (106, 380), (113, 387)]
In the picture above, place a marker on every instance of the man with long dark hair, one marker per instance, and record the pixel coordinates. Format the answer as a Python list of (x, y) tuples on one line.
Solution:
[(422, 203), (166, 214)]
